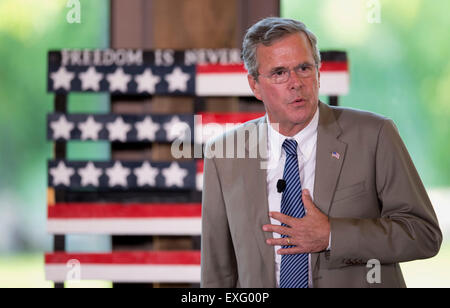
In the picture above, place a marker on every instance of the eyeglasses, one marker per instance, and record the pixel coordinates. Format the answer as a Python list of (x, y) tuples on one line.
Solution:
[(283, 74)]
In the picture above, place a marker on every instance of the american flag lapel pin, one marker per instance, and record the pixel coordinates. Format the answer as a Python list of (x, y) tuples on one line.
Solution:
[(335, 155)]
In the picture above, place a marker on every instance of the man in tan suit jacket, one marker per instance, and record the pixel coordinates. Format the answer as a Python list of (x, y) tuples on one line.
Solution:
[(367, 193)]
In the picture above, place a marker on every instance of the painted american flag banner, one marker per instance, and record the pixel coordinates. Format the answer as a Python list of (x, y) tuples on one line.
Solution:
[(125, 266), (144, 128), (334, 73), (138, 72), (123, 174), (120, 128), (197, 72), (125, 219)]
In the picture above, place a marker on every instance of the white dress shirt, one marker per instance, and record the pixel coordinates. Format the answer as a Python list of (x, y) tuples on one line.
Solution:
[(306, 152)]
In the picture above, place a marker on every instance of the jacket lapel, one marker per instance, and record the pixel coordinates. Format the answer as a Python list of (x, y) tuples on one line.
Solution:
[(329, 159), (255, 180)]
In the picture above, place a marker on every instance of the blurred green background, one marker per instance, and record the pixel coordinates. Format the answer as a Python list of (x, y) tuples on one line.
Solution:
[(398, 64)]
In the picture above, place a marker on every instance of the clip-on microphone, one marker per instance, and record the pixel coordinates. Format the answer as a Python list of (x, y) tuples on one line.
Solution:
[(281, 185)]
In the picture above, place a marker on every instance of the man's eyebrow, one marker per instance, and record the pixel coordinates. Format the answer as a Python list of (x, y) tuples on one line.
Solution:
[(306, 63), (278, 68)]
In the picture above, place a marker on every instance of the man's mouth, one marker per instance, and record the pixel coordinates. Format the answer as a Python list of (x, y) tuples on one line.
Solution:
[(298, 101)]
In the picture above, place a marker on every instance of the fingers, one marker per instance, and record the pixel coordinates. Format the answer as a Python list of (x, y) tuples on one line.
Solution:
[(286, 241), (287, 220), (288, 246), (277, 229), (290, 251), (308, 203)]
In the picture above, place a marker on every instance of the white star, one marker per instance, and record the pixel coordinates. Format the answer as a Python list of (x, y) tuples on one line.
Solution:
[(176, 129), (118, 175), (174, 175), (90, 129), (61, 128), (90, 79), (118, 80), (62, 78), (146, 174), (177, 80), (61, 174), (147, 81), (147, 129), (118, 130), (90, 175)]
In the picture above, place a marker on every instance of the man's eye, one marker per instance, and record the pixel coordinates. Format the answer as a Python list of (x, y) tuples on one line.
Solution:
[(279, 73), (305, 68)]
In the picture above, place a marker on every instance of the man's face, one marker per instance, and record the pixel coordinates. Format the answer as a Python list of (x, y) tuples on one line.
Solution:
[(293, 103)]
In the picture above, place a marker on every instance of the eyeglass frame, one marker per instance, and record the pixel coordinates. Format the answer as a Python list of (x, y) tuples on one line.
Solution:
[(271, 76)]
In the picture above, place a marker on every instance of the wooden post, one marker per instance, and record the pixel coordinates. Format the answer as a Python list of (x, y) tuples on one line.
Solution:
[(333, 100), (60, 152)]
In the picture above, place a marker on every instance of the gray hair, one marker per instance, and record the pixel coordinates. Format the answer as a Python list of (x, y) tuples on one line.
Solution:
[(266, 32)]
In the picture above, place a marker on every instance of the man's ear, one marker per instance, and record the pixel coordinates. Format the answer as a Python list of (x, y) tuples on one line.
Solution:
[(254, 85)]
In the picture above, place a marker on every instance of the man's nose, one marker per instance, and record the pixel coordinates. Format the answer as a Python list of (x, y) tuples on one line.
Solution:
[(295, 80)]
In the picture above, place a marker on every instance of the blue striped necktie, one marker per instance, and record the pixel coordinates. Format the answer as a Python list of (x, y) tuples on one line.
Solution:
[(294, 268)]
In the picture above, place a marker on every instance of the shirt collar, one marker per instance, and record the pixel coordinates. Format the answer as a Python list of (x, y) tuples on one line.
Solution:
[(306, 139)]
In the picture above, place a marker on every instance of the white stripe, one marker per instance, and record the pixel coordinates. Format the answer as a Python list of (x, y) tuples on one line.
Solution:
[(223, 84), (226, 84), (207, 132), (199, 181), (156, 226), (126, 273), (334, 83)]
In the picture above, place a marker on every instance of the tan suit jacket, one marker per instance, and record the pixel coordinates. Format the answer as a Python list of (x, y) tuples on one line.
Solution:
[(377, 205)]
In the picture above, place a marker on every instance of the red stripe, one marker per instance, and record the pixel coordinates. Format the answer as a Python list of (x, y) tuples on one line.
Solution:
[(221, 68), (239, 68), (223, 118), (200, 166), (333, 66), (99, 210), (132, 258)]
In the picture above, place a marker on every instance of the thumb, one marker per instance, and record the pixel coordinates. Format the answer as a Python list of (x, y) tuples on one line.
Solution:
[(307, 201)]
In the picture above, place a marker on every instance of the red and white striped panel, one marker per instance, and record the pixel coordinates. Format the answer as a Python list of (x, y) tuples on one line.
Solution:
[(136, 266), (222, 80), (120, 219), (231, 79), (334, 78), (210, 125)]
